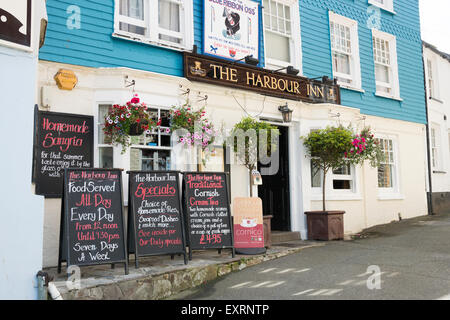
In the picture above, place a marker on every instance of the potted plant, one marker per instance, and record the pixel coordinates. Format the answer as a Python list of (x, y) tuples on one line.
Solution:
[(257, 135), (125, 121), (330, 148)]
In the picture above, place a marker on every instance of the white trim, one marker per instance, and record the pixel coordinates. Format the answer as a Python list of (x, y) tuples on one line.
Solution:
[(393, 192), (355, 64), (394, 85), (153, 30), (388, 6), (295, 42)]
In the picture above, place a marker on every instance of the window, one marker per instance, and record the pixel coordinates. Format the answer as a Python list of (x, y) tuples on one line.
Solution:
[(342, 178), (152, 151), (383, 4), (281, 37), (316, 176), (105, 150), (432, 84), (435, 146), (385, 60), (387, 169), (345, 51), (163, 22)]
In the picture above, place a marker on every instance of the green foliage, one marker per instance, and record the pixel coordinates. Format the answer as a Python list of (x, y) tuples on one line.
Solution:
[(335, 147), (250, 138)]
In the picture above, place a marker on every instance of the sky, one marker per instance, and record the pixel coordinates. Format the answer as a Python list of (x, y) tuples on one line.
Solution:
[(435, 23)]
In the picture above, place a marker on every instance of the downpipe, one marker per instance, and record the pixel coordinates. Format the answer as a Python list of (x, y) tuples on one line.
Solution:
[(45, 287)]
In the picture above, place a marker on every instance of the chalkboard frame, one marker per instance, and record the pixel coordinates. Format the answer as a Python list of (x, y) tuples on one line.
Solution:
[(38, 115), (132, 238), (186, 211), (64, 235)]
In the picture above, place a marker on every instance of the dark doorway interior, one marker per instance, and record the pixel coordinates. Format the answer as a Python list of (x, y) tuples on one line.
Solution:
[(274, 191)]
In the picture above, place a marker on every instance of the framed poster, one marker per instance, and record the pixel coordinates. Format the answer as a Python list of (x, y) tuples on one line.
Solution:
[(15, 22), (231, 28)]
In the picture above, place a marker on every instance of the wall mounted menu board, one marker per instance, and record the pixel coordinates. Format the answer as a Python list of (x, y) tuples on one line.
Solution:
[(92, 229), (208, 215), (62, 141), (154, 213)]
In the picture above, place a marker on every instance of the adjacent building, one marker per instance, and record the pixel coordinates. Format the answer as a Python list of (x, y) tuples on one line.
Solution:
[(437, 74), (22, 29), (155, 48)]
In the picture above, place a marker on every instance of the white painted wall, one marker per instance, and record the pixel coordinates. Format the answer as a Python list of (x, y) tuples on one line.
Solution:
[(225, 108), (438, 108), (21, 212)]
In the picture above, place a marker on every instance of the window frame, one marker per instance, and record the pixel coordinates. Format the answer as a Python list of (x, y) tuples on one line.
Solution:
[(389, 193), (295, 44), (354, 63), (151, 13), (435, 145), (388, 5), (97, 134), (394, 85)]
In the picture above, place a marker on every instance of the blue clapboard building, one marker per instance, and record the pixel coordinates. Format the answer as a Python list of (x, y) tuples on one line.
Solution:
[(372, 49)]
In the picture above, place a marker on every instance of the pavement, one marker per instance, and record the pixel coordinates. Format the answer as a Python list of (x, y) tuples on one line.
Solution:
[(406, 260), (160, 277)]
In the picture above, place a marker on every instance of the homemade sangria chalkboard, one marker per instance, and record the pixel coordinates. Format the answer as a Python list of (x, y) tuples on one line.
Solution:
[(92, 228), (207, 211), (154, 213), (62, 141)]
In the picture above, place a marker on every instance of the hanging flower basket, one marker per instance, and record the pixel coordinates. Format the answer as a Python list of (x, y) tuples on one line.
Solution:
[(125, 121), (200, 131)]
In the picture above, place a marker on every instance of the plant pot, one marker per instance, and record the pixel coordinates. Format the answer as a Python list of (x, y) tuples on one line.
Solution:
[(136, 129), (325, 225)]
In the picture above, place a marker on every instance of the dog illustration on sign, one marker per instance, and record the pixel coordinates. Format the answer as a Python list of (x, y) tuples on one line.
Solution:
[(14, 21)]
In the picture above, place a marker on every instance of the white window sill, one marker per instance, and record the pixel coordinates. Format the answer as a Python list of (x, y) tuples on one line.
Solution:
[(390, 196), (388, 96), (381, 7), (350, 196), (347, 87), (141, 39)]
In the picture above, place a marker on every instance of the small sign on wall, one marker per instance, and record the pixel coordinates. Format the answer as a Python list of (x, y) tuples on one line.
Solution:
[(15, 22)]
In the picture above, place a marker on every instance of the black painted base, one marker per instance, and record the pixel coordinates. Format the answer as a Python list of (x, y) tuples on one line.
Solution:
[(250, 251)]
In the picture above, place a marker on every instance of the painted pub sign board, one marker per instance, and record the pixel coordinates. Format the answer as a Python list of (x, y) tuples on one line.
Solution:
[(155, 220), (92, 223), (61, 141), (207, 211)]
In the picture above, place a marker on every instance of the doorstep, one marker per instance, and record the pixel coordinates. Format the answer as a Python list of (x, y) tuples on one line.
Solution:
[(160, 277)]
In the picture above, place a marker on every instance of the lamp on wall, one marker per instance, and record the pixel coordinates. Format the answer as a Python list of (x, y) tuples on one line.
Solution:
[(289, 70), (286, 113), (248, 60)]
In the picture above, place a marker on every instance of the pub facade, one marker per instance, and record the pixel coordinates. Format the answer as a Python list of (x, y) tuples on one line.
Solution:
[(322, 60)]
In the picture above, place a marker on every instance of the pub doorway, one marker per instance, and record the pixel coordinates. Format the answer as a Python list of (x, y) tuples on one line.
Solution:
[(275, 191)]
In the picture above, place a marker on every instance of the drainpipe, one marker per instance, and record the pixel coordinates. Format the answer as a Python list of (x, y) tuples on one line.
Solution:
[(427, 126), (42, 279)]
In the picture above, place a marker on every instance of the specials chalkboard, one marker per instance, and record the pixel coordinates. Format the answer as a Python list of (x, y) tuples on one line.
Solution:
[(154, 213), (92, 228), (208, 215), (61, 141)]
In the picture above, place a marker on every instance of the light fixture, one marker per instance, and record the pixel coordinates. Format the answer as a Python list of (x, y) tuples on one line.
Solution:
[(286, 113), (248, 60), (289, 70)]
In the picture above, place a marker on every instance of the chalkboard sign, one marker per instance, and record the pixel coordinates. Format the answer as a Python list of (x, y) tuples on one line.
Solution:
[(154, 213), (61, 141), (207, 211), (92, 229)]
